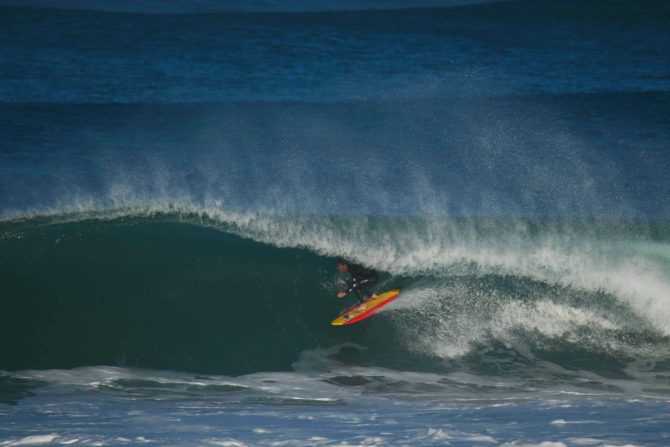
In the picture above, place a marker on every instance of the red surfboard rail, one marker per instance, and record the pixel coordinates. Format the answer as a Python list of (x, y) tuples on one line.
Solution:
[(365, 310)]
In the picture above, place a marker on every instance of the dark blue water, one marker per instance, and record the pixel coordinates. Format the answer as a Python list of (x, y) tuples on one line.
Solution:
[(494, 48), (177, 179)]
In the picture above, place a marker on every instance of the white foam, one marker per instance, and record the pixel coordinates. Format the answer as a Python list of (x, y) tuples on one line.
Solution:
[(541, 444), (451, 334), (261, 431), (584, 441), (564, 422), (35, 440), (227, 443)]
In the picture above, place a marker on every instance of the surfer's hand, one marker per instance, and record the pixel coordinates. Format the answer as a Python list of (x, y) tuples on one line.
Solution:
[(342, 294)]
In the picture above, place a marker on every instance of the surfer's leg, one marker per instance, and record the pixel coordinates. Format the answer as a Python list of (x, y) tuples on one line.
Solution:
[(368, 282), (361, 296)]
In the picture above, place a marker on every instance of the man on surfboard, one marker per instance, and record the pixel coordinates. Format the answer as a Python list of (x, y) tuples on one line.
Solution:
[(361, 280)]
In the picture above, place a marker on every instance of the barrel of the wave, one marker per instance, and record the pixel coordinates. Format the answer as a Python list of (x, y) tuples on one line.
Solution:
[(366, 309)]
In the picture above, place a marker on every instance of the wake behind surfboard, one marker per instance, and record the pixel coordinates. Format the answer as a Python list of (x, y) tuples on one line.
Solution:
[(366, 309)]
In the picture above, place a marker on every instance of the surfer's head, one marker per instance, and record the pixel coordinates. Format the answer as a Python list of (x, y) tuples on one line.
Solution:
[(342, 265)]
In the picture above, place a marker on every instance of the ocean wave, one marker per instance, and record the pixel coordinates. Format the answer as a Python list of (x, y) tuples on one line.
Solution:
[(231, 281)]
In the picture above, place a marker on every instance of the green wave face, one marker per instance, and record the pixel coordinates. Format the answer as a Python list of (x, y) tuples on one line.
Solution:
[(178, 292), (157, 294)]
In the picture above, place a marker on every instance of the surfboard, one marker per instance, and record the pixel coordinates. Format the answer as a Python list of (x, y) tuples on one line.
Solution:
[(362, 311)]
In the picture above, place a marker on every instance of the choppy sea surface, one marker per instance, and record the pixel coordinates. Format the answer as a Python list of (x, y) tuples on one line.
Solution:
[(178, 178)]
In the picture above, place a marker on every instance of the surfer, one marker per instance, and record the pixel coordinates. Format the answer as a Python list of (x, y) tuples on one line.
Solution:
[(361, 280)]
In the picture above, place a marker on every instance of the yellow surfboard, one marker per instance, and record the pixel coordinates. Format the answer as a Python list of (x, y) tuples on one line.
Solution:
[(362, 311)]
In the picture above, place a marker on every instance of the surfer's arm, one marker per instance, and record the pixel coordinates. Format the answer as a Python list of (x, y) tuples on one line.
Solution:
[(351, 287)]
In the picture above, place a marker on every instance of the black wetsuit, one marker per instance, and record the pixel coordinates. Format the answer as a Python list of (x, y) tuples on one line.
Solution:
[(361, 280)]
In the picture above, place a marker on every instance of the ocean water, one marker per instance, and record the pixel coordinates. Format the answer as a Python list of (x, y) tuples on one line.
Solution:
[(177, 180)]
